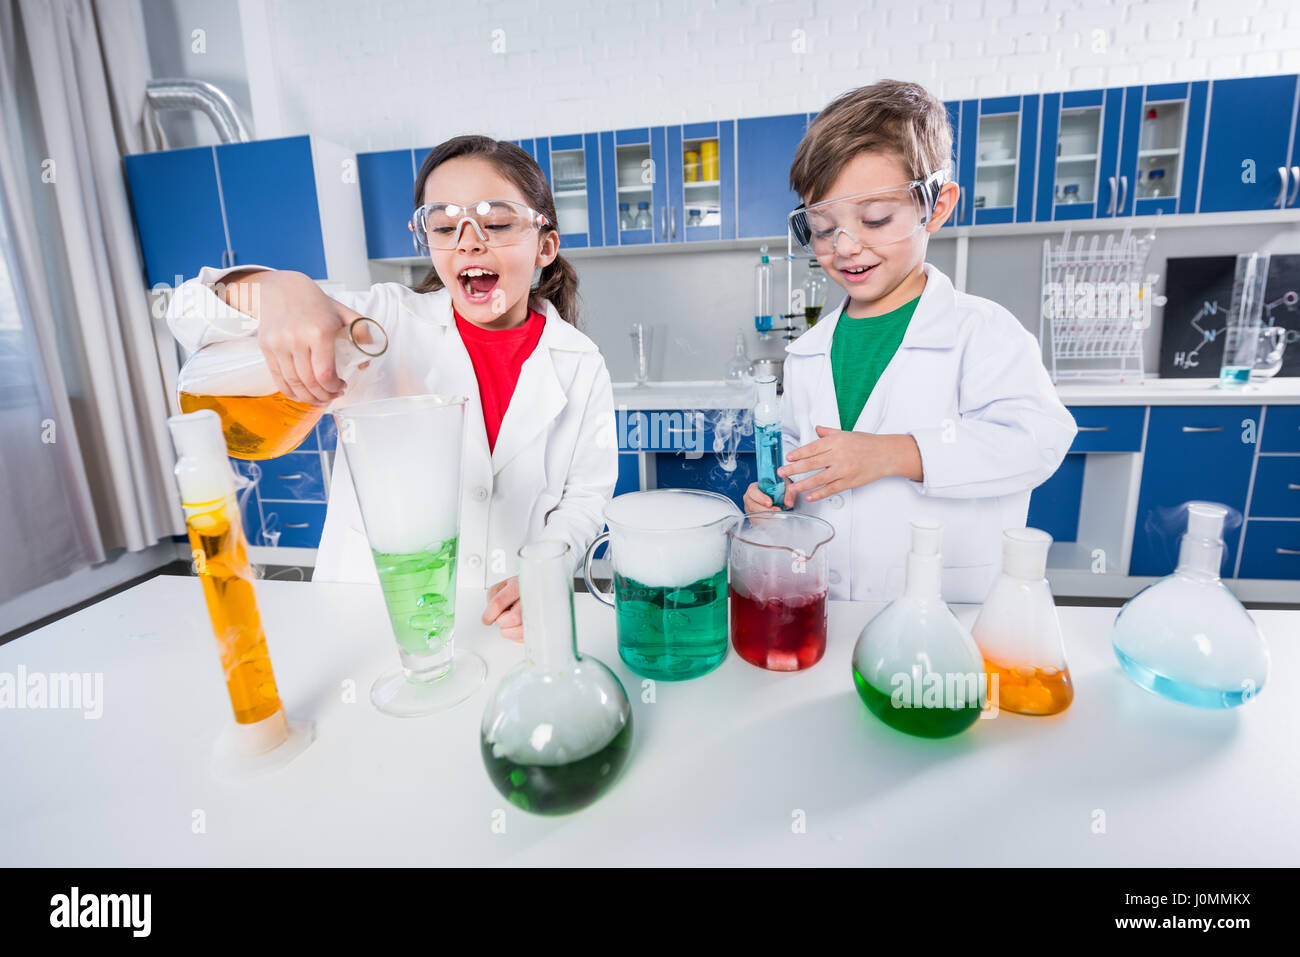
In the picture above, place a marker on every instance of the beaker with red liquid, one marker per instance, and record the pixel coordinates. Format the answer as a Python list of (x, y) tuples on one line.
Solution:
[(778, 583)]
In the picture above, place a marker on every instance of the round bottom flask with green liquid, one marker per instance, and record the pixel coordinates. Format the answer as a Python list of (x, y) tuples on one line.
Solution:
[(558, 729), (915, 665)]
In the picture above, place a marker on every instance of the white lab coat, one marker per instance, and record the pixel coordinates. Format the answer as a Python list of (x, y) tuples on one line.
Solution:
[(555, 462), (968, 384)]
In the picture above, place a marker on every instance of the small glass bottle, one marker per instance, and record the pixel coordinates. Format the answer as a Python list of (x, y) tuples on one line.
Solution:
[(695, 218), (767, 441), (915, 665), (739, 368), (1019, 632), (625, 219), (814, 293), (558, 729), (643, 220), (1187, 637)]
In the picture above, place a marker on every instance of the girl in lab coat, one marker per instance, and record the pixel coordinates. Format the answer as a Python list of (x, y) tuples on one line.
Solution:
[(539, 459), (962, 422)]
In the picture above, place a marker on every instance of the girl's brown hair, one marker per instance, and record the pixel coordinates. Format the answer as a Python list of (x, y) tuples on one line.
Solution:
[(559, 282)]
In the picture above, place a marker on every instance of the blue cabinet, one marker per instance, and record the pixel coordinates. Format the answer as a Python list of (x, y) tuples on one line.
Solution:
[(1192, 453), (285, 504), (1054, 505), (727, 475), (629, 473), (387, 182), (996, 159), (765, 148), (222, 205), (1078, 153), (572, 168), (1249, 141), (1271, 550), (634, 170), (694, 192), (1160, 162)]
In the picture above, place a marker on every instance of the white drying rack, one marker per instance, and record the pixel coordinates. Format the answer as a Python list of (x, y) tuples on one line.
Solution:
[(1104, 345)]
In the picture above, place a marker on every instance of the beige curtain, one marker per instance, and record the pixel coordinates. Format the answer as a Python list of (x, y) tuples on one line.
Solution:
[(72, 91)]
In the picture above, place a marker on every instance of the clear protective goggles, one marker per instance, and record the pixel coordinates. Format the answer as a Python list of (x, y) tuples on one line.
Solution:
[(498, 222), (877, 218)]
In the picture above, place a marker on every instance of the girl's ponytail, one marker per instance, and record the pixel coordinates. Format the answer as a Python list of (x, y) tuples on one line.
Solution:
[(559, 284)]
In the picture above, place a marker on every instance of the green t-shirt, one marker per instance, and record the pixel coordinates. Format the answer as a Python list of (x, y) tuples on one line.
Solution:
[(860, 350)]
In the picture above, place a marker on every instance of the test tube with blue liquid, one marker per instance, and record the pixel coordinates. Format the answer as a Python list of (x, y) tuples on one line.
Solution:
[(767, 441)]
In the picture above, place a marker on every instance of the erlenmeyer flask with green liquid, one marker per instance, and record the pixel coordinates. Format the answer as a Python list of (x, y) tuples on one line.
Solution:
[(915, 665)]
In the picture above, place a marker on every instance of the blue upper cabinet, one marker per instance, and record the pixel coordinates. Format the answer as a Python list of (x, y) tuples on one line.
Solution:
[(634, 187), (1160, 163), (178, 213), (968, 126), (1249, 141), (387, 182), (701, 181), (225, 205), (765, 148), (998, 146), (572, 167), (1078, 153), (954, 121), (269, 192)]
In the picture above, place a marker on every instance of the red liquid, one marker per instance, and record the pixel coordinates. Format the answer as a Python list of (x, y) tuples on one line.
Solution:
[(779, 634)]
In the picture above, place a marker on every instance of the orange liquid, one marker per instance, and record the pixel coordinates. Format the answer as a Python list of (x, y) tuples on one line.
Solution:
[(227, 577), (258, 426), (1031, 690)]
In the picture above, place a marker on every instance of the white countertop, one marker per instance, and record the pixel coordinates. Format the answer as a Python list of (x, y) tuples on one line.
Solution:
[(710, 394), (721, 765)]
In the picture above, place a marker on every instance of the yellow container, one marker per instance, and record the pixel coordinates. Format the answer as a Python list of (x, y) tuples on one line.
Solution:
[(691, 166), (709, 159)]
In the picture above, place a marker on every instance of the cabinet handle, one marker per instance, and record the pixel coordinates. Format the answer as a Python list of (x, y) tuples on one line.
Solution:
[(1288, 551), (1123, 191), (672, 219), (1111, 208), (1094, 428), (233, 258), (663, 221), (299, 525), (289, 478), (1202, 428), (1281, 195), (1292, 487), (961, 203), (1295, 186), (224, 254)]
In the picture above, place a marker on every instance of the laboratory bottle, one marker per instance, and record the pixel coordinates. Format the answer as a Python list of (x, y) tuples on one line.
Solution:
[(558, 729), (220, 559), (915, 665), (625, 216), (1187, 637), (643, 220), (814, 293), (232, 379), (1019, 633), (739, 368), (763, 294), (767, 440)]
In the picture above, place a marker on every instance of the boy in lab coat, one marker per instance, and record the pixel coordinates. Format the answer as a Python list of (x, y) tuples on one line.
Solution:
[(911, 399)]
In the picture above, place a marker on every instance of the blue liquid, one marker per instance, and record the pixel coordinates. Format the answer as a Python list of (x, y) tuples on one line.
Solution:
[(1179, 691), (763, 323), (767, 443), (1232, 376)]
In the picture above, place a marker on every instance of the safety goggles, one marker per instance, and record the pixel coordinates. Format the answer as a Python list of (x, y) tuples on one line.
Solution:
[(498, 222), (877, 218)]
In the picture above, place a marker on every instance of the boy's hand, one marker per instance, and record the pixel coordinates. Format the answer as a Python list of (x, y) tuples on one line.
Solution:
[(756, 500), (503, 608), (847, 460), (296, 330)]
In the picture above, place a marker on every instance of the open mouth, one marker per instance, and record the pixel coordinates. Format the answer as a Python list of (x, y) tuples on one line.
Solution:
[(478, 283), (858, 273)]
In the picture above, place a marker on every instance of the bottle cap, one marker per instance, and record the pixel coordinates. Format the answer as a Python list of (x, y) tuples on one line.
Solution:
[(1205, 521), (1024, 552), (197, 434), (926, 533)]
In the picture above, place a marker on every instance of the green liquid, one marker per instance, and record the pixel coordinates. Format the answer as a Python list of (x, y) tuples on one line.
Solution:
[(672, 633), (559, 788), (811, 314), (420, 591), (922, 722)]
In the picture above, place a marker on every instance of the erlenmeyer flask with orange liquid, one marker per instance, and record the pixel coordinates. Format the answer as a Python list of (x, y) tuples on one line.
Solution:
[(1019, 633), (259, 422)]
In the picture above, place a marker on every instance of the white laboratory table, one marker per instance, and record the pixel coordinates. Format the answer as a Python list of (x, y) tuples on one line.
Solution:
[(740, 767)]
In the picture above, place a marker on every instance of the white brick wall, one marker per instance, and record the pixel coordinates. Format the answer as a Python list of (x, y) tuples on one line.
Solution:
[(394, 73)]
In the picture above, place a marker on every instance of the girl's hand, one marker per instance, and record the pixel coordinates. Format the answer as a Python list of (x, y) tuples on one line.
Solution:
[(756, 500), (846, 460), (297, 326), (503, 608)]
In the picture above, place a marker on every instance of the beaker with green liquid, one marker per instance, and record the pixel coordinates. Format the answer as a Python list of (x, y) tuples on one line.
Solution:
[(558, 729), (668, 549), (404, 456)]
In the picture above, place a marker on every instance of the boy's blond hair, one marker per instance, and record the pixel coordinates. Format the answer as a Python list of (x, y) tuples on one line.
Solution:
[(900, 119)]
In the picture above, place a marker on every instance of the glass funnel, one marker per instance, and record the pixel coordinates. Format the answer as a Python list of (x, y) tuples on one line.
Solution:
[(259, 422), (915, 665), (1187, 637), (404, 455), (1019, 632), (558, 729), (669, 552), (779, 582)]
